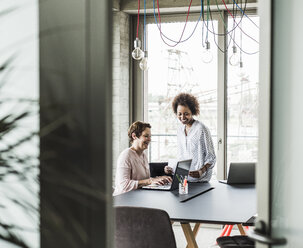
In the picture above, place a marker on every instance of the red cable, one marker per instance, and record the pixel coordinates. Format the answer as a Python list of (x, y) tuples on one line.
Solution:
[(227, 9), (183, 28), (138, 19)]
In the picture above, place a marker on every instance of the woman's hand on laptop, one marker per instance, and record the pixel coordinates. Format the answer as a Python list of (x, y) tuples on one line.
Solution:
[(162, 180), (168, 170)]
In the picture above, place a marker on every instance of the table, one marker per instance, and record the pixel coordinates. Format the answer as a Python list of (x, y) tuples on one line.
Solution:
[(225, 204)]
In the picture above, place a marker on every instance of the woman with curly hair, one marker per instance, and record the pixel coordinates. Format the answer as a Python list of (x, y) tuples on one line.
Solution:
[(193, 138), (132, 166)]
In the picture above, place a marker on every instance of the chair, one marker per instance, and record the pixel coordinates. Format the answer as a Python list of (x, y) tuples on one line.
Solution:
[(157, 168), (143, 227)]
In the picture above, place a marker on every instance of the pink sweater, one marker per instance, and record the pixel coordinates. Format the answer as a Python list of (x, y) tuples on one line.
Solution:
[(130, 169)]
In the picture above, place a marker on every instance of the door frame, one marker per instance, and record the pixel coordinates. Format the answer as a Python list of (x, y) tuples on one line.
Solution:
[(263, 172)]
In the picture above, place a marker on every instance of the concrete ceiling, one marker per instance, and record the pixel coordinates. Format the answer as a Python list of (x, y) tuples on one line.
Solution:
[(173, 6)]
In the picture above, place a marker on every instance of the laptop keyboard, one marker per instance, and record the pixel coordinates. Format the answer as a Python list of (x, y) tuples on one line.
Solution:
[(155, 186)]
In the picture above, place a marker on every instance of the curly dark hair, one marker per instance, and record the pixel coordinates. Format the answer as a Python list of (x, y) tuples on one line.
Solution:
[(187, 100), (137, 127)]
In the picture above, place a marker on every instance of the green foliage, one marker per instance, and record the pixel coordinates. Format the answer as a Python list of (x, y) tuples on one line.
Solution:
[(18, 168)]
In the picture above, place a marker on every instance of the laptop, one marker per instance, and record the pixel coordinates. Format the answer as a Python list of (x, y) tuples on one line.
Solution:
[(182, 170), (241, 173)]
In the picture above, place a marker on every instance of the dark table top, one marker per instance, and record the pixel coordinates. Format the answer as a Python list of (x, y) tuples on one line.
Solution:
[(225, 204)]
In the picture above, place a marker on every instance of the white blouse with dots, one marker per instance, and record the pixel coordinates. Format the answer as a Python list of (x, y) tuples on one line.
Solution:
[(198, 146)]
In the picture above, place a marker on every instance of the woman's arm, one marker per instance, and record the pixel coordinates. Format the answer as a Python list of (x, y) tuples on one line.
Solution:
[(208, 153), (168, 170), (144, 182), (200, 172), (123, 180), (210, 156)]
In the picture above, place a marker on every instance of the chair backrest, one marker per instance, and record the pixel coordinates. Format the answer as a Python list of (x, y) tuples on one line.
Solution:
[(241, 172), (157, 168), (143, 227)]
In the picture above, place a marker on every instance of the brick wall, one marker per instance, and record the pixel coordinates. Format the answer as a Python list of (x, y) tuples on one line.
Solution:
[(121, 58)]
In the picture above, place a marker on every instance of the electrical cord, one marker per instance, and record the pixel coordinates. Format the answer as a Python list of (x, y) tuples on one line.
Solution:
[(234, 42), (245, 14), (138, 19), (159, 26)]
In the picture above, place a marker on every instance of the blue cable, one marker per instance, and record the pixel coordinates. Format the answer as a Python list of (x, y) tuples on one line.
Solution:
[(245, 14)]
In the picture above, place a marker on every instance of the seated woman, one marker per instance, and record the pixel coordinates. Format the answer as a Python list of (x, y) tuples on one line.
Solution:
[(132, 170)]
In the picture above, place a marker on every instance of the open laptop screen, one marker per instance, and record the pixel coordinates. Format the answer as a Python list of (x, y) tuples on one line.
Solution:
[(182, 170)]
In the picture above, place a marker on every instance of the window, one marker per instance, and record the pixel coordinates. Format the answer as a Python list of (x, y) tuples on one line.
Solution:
[(242, 94), (173, 70), (232, 116)]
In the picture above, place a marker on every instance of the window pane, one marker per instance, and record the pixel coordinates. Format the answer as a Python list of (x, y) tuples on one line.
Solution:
[(19, 117), (173, 70), (242, 93)]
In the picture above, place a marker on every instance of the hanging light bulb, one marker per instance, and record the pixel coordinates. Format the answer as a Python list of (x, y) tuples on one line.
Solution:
[(137, 53), (144, 62), (242, 73), (234, 58), (207, 55)]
